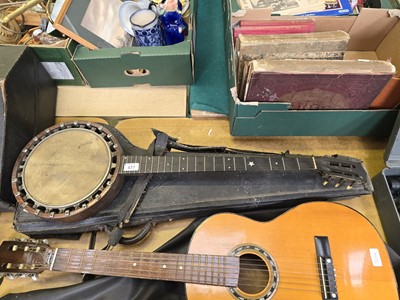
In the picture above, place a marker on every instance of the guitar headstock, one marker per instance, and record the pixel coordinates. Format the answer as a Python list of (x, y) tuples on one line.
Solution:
[(24, 258), (342, 170)]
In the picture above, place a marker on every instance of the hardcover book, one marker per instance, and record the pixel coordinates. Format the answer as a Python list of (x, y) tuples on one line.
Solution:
[(322, 84), (314, 45), (279, 22), (274, 26)]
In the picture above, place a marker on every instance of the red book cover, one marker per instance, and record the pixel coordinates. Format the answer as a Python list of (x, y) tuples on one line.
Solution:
[(318, 84), (274, 22), (267, 29)]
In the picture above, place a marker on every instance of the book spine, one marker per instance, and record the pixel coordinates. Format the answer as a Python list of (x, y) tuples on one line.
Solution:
[(247, 23), (259, 30)]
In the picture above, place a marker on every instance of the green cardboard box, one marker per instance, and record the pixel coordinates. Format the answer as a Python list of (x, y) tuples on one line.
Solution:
[(374, 34), (57, 60), (117, 67)]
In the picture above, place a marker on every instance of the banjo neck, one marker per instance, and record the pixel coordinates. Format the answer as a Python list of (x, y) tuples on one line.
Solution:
[(138, 165)]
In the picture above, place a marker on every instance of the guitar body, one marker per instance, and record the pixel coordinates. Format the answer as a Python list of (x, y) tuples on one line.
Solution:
[(286, 250)]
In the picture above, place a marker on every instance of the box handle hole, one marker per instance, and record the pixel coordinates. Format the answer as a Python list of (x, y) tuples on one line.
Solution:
[(137, 72)]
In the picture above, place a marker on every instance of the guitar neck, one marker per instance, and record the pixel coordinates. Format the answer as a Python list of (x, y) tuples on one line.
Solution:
[(200, 163), (188, 268)]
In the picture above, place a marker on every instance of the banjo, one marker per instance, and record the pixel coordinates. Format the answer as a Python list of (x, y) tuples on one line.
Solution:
[(72, 170)]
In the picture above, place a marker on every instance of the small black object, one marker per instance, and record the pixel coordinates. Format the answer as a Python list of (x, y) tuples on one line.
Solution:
[(394, 185), (372, 3)]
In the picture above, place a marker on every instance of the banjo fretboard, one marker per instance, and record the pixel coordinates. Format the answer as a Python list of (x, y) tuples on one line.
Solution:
[(200, 163)]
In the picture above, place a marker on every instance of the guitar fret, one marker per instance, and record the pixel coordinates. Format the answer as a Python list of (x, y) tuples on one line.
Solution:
[(211, 269), (314, 163), (136, 163), (234, 164), (158, 265), (187, 163), (298, 163), (158, 164), (245, 163), (270, 163), (218, 278), (283, 163), (185, 269), (82, 259), (69, 257), (223, 277), (191, 268), (110, 265), (140, 164)]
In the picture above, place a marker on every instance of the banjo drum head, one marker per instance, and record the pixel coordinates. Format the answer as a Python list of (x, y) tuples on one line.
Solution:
[(68, 172)]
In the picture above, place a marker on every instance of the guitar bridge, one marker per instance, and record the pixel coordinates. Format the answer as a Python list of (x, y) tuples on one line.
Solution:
[(326, 269)]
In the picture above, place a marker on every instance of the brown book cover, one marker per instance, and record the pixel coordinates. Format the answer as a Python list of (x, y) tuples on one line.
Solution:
[(322, 84), (314, 45)]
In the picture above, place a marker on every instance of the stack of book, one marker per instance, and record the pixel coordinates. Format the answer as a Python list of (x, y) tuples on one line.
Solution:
[(304, 68)]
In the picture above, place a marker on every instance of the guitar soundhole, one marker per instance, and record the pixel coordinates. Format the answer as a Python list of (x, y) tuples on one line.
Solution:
[(258, 273), (253, 275)]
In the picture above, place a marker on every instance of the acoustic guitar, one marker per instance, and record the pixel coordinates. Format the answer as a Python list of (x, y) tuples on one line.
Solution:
[(73, 170), (318, 250)]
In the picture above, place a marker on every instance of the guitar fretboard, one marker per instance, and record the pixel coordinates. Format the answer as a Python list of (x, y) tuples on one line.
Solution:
[(190, 163), (190, 268)]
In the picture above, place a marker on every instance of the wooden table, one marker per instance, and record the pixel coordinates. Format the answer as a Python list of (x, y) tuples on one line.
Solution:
[(207, 132)]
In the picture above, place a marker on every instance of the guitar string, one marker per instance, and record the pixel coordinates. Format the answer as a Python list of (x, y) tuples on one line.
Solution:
[(172, 261), (128, 274), (77, 266), (81, 269), (228, 267), (170, 256), (251, 278), (146, 273), (157, 272), (167, 261)]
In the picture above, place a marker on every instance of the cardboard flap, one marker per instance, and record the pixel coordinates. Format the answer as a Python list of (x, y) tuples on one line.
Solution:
[(251, 14), (388, 49), (28, 97), (370, 28), (325, 23)]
